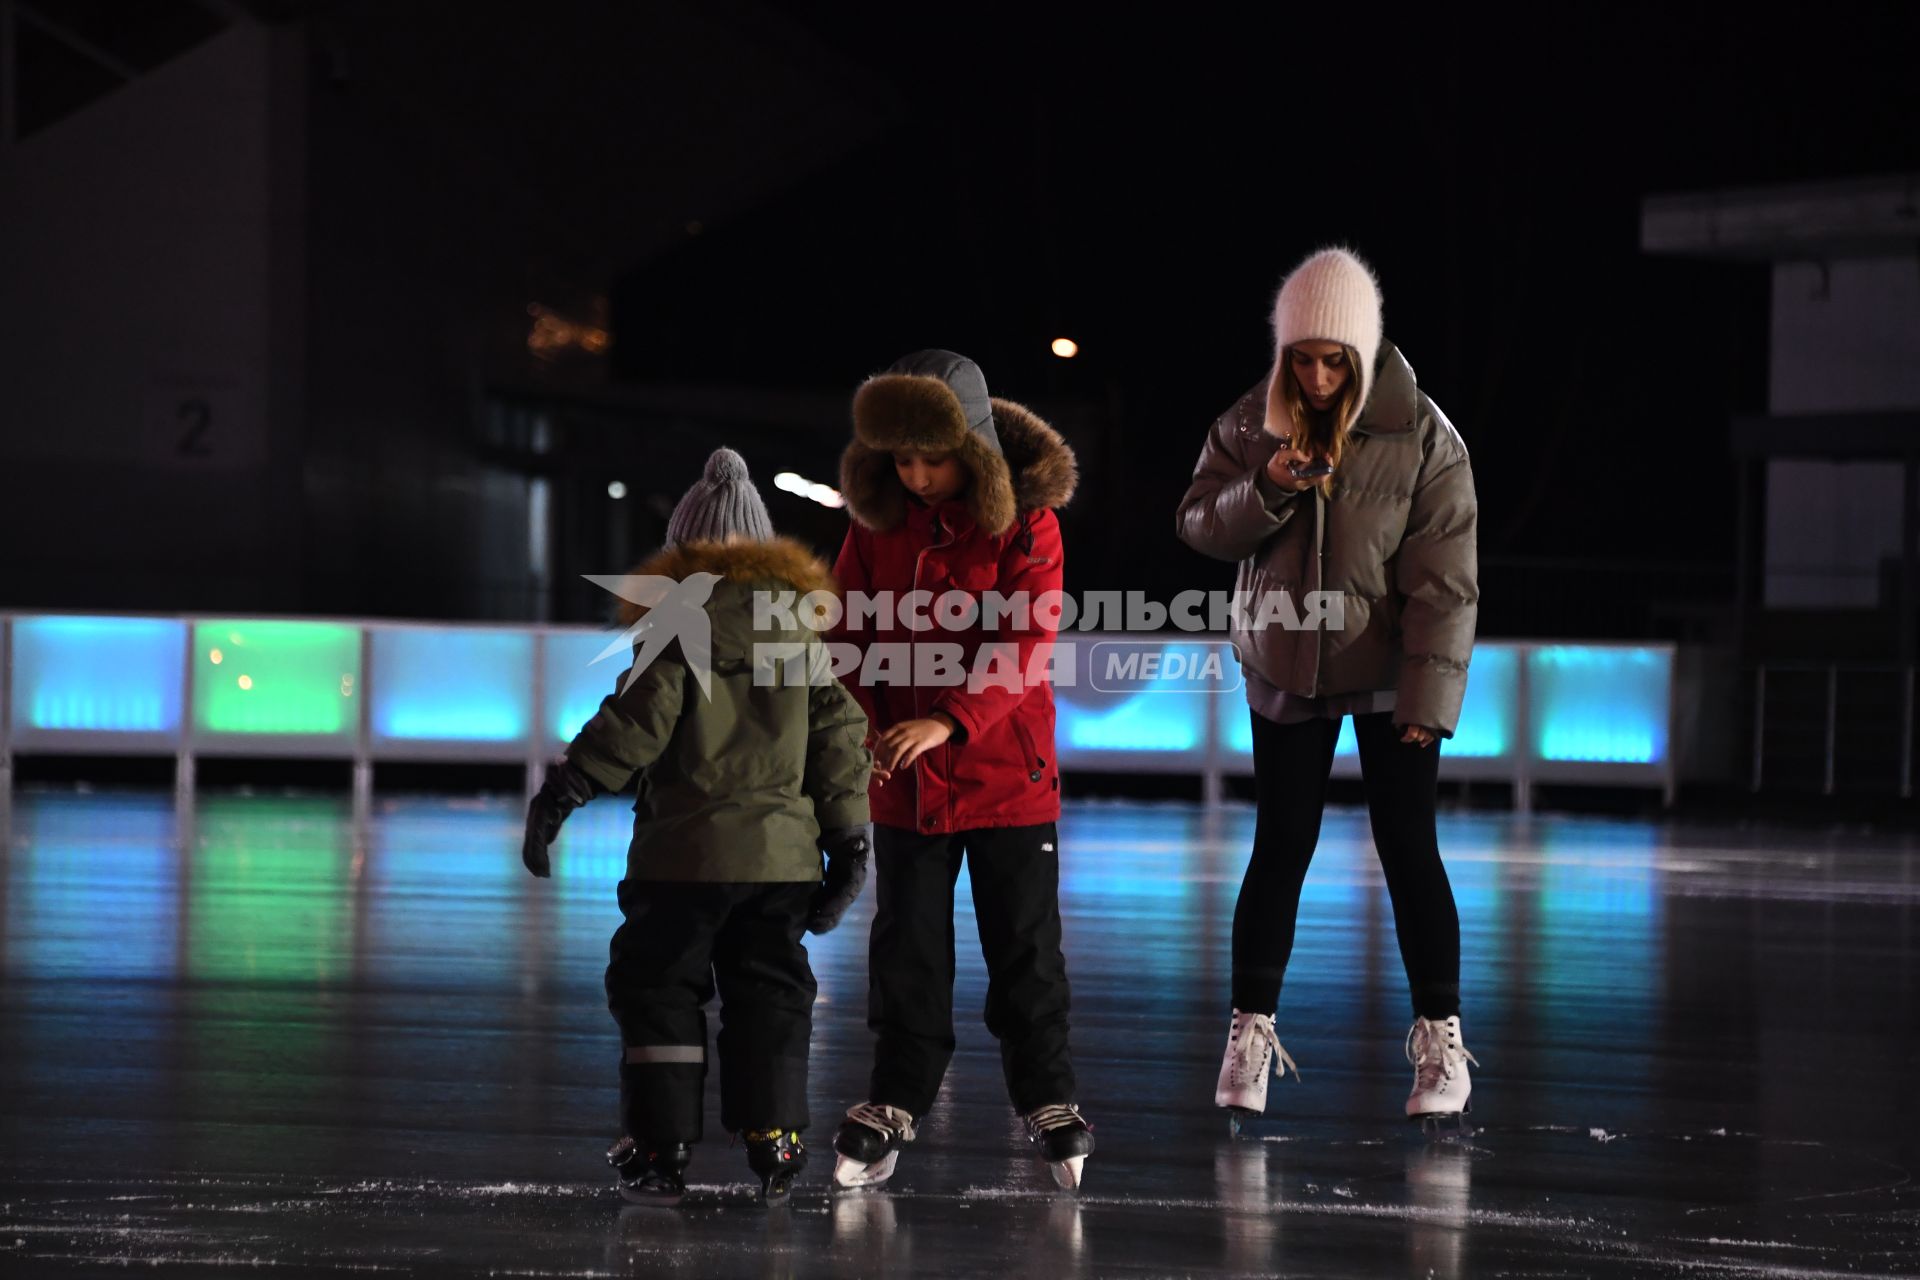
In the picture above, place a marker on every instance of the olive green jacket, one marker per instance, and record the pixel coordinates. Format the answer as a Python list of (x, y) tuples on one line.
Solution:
[(736, 783)]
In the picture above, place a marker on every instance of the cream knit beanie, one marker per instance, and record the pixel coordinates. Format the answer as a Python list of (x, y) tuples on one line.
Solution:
[(1331, 297)]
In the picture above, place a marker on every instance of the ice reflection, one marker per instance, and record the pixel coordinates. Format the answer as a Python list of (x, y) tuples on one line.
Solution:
[(1243, 1181), (1440, 1186)]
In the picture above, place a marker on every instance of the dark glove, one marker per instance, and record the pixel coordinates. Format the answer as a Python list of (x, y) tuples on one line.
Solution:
[(847, 850), (564, 790)]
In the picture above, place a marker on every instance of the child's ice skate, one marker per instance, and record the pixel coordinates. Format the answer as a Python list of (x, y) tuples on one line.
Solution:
[(1442, 1089), (1065, 1141), (657, 1176), (778, 1156), (868, 1144), (1252, 1052)]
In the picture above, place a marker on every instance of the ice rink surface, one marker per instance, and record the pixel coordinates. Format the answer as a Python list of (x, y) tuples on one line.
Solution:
[(256, 1034)]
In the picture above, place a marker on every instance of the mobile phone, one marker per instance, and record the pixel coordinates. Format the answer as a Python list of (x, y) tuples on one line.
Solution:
[(1311, 470)]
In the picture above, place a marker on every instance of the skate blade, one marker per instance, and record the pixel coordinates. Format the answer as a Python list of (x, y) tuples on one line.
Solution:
[(852, 1173), (1239, 1118), (1443, 1124), (651, 1200), (776, 1194), (1066, 1173)]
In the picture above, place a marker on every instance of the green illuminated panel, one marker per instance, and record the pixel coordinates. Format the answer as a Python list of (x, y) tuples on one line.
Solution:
[(276, 678)]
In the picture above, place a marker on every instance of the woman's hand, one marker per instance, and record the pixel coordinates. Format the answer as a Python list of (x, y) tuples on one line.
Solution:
[(1419, 735), (1284, 457), (907, 741)]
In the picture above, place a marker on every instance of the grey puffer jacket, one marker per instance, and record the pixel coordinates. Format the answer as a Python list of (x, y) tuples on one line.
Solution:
[(1396, 539)]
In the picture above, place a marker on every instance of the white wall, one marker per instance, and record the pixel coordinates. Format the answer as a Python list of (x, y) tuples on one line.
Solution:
[(141, 424), (1830, 525), (1846, 335), (1846, 338)]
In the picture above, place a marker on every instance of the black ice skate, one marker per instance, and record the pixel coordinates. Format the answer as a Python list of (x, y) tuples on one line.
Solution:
[(778, 1156), (653, 1177), (1065, 1141), (868, 1144)]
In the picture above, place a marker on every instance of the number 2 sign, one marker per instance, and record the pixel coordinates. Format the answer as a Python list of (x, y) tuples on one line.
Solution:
[(203, 423)]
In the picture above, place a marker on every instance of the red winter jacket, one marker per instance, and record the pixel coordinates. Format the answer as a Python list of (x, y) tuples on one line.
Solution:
[(1000, 535), (1000, 771)]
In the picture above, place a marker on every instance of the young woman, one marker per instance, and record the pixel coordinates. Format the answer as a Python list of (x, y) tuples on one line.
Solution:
[(1337, 474)]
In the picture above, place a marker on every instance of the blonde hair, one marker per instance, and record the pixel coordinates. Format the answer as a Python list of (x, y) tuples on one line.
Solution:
[(1315, 433)]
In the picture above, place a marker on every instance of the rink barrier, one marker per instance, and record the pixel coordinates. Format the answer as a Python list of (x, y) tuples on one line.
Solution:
[(1850, 709), (372, 691)]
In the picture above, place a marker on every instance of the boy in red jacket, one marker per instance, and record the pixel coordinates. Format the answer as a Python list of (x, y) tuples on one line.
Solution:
[(951, 493)]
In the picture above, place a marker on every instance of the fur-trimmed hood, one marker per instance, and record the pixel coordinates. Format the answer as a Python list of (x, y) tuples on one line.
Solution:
[(777, 560), (1018, 463)]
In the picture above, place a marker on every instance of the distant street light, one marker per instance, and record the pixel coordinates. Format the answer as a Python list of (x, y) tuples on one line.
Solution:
[(824, 494)]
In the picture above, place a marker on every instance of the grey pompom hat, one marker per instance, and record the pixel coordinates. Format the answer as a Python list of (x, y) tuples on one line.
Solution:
[(721, 504)]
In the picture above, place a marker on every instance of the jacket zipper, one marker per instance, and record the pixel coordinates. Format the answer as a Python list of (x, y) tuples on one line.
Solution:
[(1319, 583), (919, 791)]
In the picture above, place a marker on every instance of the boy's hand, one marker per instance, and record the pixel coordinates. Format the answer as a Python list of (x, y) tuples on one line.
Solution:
[(880, 773), (907, 741), (564, 789), (846, 851), (1418, 735)]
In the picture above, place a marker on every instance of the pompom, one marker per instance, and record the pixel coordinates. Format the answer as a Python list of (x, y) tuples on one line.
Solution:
[(726, 467)]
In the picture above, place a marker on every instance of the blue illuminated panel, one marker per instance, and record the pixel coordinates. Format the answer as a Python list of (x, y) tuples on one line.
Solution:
[(576, 684), (1600, 704), (1239, 730), (1173, 722), (1238, 724), (98, 675), (448, 684), (1488, 718), (1141, 695)]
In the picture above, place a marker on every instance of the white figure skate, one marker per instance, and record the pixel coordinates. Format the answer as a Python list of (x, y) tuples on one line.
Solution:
[(1253, 1050), (1442, 1088)]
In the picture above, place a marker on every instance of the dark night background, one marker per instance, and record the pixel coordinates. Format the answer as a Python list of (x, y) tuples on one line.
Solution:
[(762, 204)]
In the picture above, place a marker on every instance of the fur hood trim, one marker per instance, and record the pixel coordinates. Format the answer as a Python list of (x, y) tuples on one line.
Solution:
[(1032, 469), (780, 560)]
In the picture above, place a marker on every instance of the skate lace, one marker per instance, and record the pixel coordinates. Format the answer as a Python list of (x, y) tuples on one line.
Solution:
[(1434, 1059), (1055, 1116), (883, 1120), (1247, 1064)]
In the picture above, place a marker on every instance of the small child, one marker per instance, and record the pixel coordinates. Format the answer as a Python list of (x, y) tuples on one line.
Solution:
[(952, 491), (749, 764)]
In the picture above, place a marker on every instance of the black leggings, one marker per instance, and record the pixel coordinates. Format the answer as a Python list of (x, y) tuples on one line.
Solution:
[(1291, 763)]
